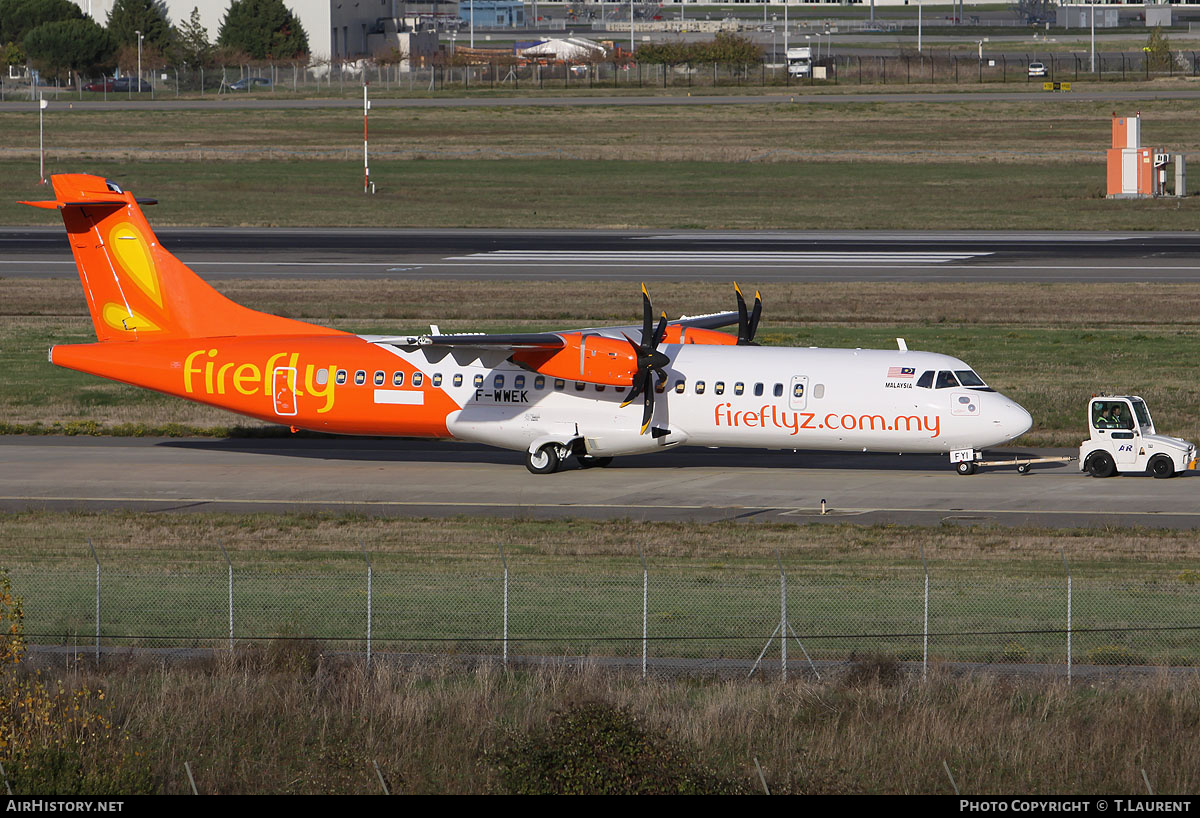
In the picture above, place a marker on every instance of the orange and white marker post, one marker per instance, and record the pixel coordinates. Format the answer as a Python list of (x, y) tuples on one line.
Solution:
[(367, 188)]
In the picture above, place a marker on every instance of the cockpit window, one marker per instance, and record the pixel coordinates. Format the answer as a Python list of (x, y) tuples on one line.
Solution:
[(945, 380), (968, 378), (926, 379)]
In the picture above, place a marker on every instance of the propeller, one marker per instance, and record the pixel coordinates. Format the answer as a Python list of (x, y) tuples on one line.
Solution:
[(747, 324), (649, 360)]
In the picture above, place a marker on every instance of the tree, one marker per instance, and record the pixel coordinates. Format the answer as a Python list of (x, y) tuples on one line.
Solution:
[(19, 17), (81, 46), (189, 43), (1157, 50), (264, 29), (147, 16)]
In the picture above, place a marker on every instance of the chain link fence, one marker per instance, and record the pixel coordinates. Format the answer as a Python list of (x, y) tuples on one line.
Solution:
[(768, 619), (346, 79)]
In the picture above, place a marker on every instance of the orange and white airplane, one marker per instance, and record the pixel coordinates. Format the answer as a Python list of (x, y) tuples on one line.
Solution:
[(552, 395)]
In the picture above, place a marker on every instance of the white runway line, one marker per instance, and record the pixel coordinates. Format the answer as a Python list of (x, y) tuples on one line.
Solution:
[(704, 257)]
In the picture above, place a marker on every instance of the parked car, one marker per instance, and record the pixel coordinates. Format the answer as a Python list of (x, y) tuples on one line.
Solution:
[(1037, 69), (100, 86), (251, 84)]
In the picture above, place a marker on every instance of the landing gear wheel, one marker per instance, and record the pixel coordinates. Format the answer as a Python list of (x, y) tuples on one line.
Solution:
[(1161, 466), (1101, 464), (967, 468), (588, 462), (544, 461), (1023, 468)]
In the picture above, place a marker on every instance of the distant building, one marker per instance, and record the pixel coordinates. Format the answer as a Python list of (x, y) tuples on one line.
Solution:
[(493, 13)]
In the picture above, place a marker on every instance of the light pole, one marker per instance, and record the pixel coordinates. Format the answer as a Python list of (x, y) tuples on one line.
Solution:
[(139, 76), (919, 3), (1093, 21), (630, 29), (472, 23), (42, 103), (785, 29)]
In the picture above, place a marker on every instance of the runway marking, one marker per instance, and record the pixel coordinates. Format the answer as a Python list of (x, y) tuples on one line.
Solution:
[(756, 257), (599, 506)]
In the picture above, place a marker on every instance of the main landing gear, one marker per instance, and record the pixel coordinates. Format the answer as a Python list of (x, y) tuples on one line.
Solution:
[(550, 457)]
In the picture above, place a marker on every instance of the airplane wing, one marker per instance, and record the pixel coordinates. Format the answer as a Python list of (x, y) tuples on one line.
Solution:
[(549, 340)]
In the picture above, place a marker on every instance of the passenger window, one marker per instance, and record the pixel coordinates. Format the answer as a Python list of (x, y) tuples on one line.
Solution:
[(719, 387), (945, 380), (679, 387), (779, 390), (478, 381), (360, 378), (926, 379), (437, 378), (458, 379), (539, 382), (599, 387), (699, 387), (519, 382), (819, 391), (417, 379), (660, 387), (397, 379), (341, 377), (560, 384), (498, 382), (380, 378), (798, 390), (739, 388), (579, 386), (758, 390)]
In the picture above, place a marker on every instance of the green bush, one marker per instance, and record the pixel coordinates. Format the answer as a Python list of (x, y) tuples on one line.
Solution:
[(598, 749), (1114, 655)]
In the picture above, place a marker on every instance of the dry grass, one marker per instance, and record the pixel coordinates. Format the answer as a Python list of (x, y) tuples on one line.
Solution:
[(880, 132), (295, 722), (296, 542), (417, 302)]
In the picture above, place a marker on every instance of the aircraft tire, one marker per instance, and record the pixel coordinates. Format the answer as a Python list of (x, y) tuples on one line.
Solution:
[(967, 468), (1161, 466), (1101, 464), (544, 460), (1023, 468)]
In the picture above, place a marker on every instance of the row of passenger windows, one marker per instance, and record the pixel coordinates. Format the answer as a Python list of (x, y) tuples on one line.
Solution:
[(539, 382)]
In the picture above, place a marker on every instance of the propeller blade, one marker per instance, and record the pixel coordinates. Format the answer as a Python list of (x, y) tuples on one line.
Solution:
[(743, 335), (756, 315), (647, 317), (647, 410), (660, 331), (639, 386)]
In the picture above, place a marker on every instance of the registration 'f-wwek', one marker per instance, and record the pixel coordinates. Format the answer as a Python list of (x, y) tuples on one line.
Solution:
[(590, 394)]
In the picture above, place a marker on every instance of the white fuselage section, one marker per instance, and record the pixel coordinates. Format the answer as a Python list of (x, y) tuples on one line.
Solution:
[(745, 396)]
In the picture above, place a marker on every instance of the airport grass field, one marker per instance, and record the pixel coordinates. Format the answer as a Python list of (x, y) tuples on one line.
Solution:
[(896, 165)]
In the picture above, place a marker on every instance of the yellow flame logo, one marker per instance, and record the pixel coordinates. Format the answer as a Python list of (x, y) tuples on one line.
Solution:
[(120, 318), (134, 257)]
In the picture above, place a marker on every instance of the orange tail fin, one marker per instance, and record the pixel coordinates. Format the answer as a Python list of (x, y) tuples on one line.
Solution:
[(135, 289)]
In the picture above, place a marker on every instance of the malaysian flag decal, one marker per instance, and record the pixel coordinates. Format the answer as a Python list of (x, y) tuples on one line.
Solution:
[(900, 372)]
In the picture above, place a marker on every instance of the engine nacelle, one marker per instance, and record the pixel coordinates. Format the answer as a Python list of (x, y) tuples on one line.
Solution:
[(587, 358), (678, 334)]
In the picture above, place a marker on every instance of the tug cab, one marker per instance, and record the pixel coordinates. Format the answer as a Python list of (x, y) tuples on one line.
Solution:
[(1123, 440)]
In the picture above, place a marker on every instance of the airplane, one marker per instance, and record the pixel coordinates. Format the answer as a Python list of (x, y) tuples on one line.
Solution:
[(590, 394)]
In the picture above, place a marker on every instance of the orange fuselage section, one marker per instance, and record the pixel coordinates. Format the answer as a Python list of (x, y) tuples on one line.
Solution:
[(287, 379)]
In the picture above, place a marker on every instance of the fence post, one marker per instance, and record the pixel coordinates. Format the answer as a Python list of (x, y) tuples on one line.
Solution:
[(504, 640), (783, 623), (370, 589), (97, 561), (925, 621), (1067, 568), (645, 608), (229, 565)]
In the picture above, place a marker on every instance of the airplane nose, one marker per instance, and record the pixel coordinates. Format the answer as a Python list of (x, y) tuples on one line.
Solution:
[(1014, 419)]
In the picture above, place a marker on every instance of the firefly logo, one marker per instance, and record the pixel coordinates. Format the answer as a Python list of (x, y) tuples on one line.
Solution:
[(250, 379)]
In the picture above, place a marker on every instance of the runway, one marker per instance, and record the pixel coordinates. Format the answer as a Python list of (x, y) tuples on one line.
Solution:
[(982, 256), (429, 478)]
